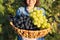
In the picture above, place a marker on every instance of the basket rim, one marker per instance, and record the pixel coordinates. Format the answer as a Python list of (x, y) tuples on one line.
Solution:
[(11, 23), (30, 33)]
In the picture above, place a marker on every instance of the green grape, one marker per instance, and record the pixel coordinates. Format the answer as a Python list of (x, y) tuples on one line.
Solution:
[(48, 25), (39, 20), (34, 16), (35, 23), (34, 13)]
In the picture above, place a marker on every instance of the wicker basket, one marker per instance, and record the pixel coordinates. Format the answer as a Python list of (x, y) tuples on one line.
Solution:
[(31, 33)]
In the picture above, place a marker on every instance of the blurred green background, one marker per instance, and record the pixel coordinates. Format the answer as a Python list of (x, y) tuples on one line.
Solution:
[(52, 8)]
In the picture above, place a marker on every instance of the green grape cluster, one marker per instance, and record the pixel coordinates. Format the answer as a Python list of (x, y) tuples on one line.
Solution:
[(39, 19)]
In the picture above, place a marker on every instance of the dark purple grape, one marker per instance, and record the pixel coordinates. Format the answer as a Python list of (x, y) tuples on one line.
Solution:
[(14, 19), (25, 17), (19, 22), (16, 25), (31, 27), (10, 17), (27, 27), (24, 22), (21, 18), (22, 26)]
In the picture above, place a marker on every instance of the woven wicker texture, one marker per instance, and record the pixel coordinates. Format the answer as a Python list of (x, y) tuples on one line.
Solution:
[(31, 33)]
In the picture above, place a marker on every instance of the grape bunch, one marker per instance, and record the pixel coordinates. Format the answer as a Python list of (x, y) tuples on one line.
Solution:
[(10, 17), (39, 19), (24, 22)]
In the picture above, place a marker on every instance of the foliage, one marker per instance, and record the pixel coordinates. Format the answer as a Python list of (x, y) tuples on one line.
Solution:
[(52, 8)]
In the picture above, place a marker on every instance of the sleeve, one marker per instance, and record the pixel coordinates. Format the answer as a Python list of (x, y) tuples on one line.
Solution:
[(19, 11), (44, 13)]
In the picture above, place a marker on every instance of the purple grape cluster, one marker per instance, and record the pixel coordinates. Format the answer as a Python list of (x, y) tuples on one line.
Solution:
[(23, 22)]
